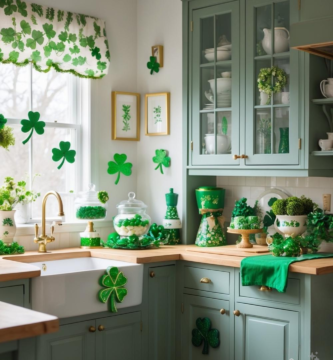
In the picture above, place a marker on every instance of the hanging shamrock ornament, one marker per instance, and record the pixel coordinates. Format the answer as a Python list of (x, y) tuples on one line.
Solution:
[(119, 166), (161, 159), (64, 153), (153, 65), (32, 124), (205, 334), (114, 289), (3, 121)]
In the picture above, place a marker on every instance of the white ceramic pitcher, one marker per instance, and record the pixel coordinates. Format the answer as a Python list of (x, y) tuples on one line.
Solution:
[(281, 40), (326, 87)]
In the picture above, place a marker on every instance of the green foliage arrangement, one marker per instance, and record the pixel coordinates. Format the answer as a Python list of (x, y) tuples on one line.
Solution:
[(12, 193), (205, 334), (243, 209), (320, 226), (103, 196), (293, 206), (267, 76), (6, 137), (126, 117), (12, 249), (90, 212)]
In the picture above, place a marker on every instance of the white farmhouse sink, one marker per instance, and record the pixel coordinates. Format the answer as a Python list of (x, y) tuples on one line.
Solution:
[(70, 287)]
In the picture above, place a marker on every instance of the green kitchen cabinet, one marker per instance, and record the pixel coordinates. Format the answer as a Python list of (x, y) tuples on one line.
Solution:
[(263, 333), (161, 312)]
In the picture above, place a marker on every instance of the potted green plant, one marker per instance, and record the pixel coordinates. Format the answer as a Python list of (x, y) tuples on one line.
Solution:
[(291, 214), (12, 194), (320, 230)]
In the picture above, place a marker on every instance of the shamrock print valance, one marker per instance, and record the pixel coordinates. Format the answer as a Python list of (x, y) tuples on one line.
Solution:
[(52, 38)]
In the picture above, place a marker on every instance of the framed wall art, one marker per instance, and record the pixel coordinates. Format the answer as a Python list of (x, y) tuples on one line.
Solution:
[(157, 51), (125, 116), (157, 114)]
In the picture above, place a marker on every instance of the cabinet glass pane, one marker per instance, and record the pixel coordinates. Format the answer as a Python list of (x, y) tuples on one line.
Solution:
[(263, 30), (283, 96), (263, 131), (223, 37), (207, 40), (223, 131), (207, 89), (261, 97), (223, 86), (281, 130), (207, 136), (281, 27)]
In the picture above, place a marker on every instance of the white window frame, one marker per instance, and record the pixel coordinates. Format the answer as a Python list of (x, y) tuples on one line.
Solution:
[(81, 93)]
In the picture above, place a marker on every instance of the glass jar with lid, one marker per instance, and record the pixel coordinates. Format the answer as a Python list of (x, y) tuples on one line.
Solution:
[(88, 206), (132, 218)]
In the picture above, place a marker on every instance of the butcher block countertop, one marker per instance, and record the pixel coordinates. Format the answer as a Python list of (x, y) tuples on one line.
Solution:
[(18, 267), (19, 323)]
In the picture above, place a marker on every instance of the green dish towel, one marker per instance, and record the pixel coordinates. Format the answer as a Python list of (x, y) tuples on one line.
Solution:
[(270, 270)]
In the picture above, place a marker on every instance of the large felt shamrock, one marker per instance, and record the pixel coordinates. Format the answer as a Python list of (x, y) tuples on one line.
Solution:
[(205, 334), (114, 290), (161, 159), (64, 153), (32, 124), (3, 121), (153, 65), (119, 166)]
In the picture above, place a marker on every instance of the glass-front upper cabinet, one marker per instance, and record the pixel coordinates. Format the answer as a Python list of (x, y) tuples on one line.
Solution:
[(272, 119), (215, 85)]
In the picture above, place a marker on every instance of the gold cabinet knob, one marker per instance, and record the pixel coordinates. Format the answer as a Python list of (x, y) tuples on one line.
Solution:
[(92, 329), (205, 280), (265, 288), (101, 328), (237, 313), (152, 274), (222, 311), (235, 157)]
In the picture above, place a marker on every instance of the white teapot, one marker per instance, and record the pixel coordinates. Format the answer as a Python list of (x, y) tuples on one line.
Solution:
[(326, 88), (281, 40)]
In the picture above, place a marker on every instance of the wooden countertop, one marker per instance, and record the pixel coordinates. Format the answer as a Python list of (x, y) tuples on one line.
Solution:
[(17, 266), (19, 323)]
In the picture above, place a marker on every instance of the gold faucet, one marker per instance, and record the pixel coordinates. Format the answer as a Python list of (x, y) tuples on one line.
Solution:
[(44, 239)]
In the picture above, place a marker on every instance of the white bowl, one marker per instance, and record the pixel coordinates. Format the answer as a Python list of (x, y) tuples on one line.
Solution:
[(222, 85), (220, 55), (223, 143)]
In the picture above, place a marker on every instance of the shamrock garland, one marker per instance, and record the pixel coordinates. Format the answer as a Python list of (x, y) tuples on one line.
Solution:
[(205, 334), (120, 166), (153, 65), (161, 159), (32, 124), (114, 289), (64, 153)]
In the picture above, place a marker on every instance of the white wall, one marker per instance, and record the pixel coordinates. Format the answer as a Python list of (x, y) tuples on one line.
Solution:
[(159, 22)]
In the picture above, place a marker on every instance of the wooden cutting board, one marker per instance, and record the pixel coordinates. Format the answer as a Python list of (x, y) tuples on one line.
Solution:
[(232, 250)]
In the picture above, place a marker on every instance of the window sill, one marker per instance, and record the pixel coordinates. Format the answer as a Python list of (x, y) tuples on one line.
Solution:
[(65, 227)]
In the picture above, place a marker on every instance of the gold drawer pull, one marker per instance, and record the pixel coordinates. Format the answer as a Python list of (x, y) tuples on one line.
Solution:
[(237, 313), (205, 281), (222, 311), (265, 288), (235, 157)]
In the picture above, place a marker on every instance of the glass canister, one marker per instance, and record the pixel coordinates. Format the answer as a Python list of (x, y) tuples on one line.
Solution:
[(132, 218), (88, 206)]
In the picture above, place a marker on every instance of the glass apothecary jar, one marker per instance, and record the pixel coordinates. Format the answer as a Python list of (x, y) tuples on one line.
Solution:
[(132, 218), (88, 206)]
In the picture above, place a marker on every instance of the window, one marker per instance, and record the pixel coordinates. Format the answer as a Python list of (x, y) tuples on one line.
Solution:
[(62, 100)]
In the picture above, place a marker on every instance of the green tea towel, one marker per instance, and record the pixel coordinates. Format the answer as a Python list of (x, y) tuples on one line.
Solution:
[(270, 270)]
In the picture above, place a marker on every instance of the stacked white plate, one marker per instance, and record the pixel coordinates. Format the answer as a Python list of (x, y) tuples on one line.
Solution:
[(222, 53)]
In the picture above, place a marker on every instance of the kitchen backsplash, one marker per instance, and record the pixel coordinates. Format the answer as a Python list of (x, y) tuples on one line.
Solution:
[(252, 187)]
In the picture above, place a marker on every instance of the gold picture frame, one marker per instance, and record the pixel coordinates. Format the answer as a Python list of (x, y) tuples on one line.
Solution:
[(122, 126), (157, 51), (157, 114)]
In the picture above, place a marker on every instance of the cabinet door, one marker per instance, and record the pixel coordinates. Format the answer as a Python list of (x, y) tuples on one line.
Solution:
[(71, 342), (215, 85), (199, 307), (272, 122), (119, 337), (161, 313), (263, 333)]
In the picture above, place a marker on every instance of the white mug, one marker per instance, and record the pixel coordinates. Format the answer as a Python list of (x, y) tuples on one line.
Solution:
[(226, 74), (325, 144), (326, 87), (330, 136), (285, 97)]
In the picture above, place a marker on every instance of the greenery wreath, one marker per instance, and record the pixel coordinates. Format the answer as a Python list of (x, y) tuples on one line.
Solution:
[(267, 76)]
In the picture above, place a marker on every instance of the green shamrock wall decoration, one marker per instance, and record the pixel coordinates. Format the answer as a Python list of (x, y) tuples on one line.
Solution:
[(64, 153), (3, 121), (161, 159), (114, 289), (119, 166), (32, 124), (205, 334), (153, 65)]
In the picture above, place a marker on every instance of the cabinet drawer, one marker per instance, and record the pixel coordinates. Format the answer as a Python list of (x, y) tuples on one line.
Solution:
[(219, 281), (291, 296), (13, 295)]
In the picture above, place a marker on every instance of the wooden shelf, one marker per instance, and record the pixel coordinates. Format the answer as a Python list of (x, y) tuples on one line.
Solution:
[(322, 153)]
